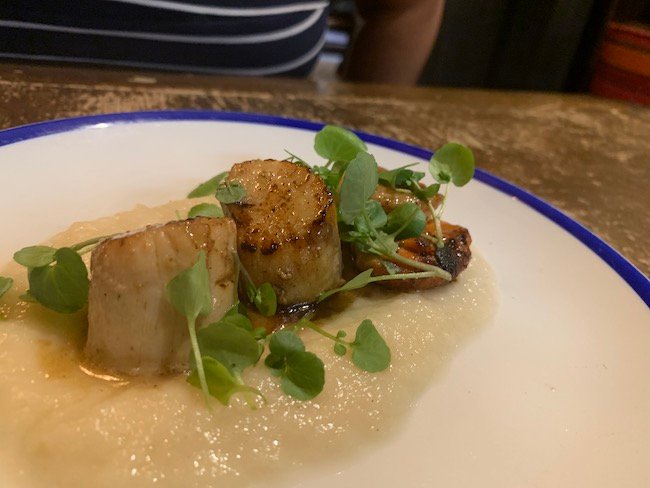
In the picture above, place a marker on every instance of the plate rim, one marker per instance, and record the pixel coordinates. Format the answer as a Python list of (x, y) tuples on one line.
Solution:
[(635, 279)]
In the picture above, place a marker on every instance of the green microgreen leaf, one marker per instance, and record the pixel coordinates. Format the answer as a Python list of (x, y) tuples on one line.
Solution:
[(359, 281), (35, 256), (219, 382), (5, 284), (230, 192), (406, 220), (296, 159), (332, 176), (425, 193), (205, 210), (231, 345), (452, 163), (236, 316), (265, 300), (302, 374), (189, 291), (62, 286), (340, 349), (369, 350), (359, 183), (400, 177), (373, 219), (209, 187), (337, 144)]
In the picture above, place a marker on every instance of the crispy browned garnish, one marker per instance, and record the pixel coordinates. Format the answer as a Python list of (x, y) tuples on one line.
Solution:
[(453, 257)]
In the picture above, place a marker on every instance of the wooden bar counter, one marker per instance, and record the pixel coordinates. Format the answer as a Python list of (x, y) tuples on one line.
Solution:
[(589, 157)]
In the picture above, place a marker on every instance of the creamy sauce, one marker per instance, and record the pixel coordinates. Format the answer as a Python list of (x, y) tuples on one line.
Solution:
[(63, 424)]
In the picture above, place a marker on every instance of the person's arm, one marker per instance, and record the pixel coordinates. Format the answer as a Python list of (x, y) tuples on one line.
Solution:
[(395, 40)]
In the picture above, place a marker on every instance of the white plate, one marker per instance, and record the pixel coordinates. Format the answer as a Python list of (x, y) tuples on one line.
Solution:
[(555, 393)]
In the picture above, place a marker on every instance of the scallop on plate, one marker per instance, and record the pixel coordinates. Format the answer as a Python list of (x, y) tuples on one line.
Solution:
[(529, 369)]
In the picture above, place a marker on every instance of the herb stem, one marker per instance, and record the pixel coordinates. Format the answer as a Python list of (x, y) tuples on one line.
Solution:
[(436, 221), (315, 328), (418, 265), (191, 326)]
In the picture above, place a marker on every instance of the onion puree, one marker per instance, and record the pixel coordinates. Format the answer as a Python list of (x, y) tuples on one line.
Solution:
[(63, 424)]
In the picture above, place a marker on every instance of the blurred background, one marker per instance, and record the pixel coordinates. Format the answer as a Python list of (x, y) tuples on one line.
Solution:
[(598, 46), (602, 46)]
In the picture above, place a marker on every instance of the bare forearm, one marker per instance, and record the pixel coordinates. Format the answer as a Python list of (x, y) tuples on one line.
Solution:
[(395, 41)]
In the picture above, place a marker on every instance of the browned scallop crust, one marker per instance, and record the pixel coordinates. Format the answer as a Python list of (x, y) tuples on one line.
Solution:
[(453, 257), (287, 233)]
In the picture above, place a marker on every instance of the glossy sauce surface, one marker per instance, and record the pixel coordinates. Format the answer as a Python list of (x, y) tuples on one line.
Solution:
[(68, 425)]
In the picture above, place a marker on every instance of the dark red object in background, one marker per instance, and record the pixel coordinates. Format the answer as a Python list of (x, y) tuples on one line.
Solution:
[(622, 67)]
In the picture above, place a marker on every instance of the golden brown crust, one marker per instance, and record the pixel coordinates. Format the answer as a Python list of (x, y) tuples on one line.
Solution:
[(284, 202), (286, 229)]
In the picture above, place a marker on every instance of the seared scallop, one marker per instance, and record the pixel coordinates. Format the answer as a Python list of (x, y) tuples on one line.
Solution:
[(287, 233), (132, 327)]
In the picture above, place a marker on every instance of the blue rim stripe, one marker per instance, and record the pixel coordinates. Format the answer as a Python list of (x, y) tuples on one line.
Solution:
[(626, 270)]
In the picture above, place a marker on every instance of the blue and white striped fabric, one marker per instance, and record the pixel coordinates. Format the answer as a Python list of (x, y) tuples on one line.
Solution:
[(229, 37)]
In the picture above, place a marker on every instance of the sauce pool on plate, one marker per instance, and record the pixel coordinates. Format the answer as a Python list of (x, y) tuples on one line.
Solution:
[(65, 423)]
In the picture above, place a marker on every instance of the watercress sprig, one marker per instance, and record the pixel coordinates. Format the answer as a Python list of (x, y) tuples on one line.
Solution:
[(263, 297), (302, 373), (189, 293), (228, 347), (338, 146), (58, 278), (365, 278), (364, 223), (452, 163), (369, 349)]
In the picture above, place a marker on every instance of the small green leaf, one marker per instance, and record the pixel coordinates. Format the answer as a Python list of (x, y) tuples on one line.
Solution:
[(230, 192), (337, 144), (406, 220), (232, 346), (63, 286), (341, 334), (265, 300), (5, 284), (221, 384), (452, 163), (236, 318), (359, 281), (209, 187), (260, 333), (340, 349), (375, 215), (369, 350), (189, 291), (284, 342), (359, 183), (35, 256), (296, 159), (304, 376), (400, 177), (205, 210), (425, 193)]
